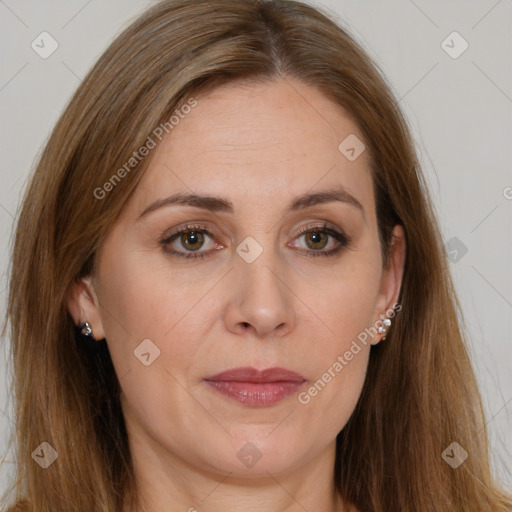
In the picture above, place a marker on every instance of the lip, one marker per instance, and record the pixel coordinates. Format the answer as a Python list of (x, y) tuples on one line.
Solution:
[(256, 388)]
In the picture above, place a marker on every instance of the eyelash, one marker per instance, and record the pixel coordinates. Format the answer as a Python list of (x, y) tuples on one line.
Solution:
[(311, 253)]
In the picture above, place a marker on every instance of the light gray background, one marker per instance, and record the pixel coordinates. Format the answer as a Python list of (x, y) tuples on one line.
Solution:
[(459, 111)]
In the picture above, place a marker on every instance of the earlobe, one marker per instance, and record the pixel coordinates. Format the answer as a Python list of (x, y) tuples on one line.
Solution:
[(83, 306)]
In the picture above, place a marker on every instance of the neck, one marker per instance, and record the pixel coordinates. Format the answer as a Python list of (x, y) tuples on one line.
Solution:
[(165, 482)]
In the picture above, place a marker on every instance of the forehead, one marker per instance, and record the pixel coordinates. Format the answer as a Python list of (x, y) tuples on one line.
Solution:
[(258, 141)]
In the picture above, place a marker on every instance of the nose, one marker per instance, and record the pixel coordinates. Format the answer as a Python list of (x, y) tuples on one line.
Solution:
[(260, 301)]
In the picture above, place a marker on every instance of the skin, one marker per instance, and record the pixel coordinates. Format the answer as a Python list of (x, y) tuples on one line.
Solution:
[(259, 146)]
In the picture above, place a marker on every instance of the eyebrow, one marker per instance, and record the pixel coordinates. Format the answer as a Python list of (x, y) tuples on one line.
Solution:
[(219, 204)]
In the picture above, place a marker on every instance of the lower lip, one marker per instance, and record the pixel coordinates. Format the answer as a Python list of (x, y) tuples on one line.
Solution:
[(255, 394)]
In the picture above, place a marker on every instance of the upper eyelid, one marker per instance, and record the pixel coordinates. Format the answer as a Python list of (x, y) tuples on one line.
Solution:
[(201, 227), (187, 227)]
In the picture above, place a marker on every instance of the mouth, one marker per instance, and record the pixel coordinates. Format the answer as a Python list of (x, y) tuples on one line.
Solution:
[(256, 388)]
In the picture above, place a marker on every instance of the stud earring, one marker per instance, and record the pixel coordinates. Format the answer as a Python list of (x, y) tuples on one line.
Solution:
[(86, 331), (383, 329)]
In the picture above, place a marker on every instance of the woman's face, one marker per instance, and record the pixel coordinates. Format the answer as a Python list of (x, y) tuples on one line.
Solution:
[(244, 287)]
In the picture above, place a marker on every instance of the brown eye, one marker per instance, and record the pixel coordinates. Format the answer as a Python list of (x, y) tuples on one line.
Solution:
[(192, 240), (318, 239)]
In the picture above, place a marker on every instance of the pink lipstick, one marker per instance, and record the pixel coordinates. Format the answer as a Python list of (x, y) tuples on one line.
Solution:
[(256, 388)]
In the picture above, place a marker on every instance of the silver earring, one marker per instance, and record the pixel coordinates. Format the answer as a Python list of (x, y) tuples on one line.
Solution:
[(85, 330), (383, 329)]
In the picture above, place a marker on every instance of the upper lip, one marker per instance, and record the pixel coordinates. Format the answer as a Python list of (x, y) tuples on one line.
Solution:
[(249, 374)]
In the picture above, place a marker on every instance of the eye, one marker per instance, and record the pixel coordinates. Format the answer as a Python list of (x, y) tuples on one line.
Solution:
[(317, 238), (190, 238), (187, 241)]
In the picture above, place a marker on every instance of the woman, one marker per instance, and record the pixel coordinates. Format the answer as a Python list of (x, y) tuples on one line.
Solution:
[(186, 347)]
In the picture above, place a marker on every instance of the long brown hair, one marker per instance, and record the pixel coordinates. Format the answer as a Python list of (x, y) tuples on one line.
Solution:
[(420, 393)]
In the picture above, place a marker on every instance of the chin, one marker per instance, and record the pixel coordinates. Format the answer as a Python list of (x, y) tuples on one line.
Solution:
[(256, 457)]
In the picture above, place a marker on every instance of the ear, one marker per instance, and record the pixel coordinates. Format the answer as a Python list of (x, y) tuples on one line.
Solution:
[(391, 280), (83, 305)]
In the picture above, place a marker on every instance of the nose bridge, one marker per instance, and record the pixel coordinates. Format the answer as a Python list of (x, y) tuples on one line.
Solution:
[(258, 266), (263, 298)]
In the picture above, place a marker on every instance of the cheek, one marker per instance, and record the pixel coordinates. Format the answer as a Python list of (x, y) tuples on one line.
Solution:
[(147, 299), (333, 394), (340, 350), (343, 302), (339, 363)]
